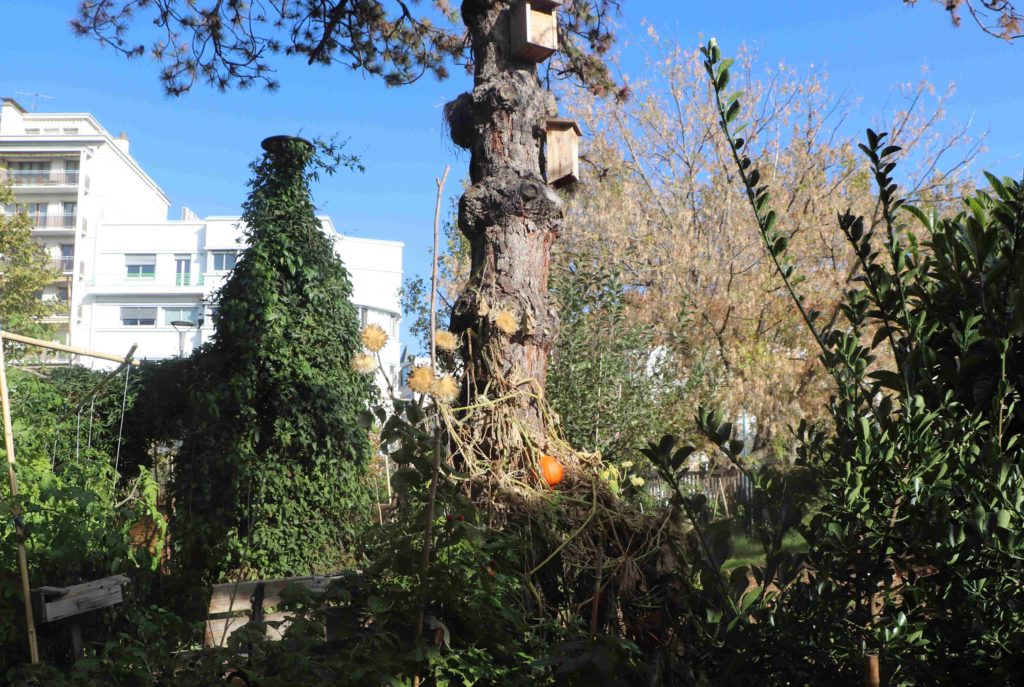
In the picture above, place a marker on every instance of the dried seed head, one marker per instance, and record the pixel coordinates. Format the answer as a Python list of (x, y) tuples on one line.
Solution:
[(445, 341), (374, 337), (505, 320), (445, 389), (364, 363), (421, 379)]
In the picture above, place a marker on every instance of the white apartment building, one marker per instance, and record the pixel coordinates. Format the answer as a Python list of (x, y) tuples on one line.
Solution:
[(127, 272), (70, 175), (155, 284)]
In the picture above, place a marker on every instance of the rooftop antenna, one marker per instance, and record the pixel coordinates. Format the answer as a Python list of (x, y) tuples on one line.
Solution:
[(35, 98)]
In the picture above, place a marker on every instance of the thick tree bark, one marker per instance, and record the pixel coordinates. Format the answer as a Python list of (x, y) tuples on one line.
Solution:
[(510, 217)]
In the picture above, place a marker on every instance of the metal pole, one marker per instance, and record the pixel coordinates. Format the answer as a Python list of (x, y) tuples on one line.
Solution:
[(26, 591)]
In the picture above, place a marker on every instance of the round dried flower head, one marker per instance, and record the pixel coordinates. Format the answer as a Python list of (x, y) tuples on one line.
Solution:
[(364, 363), (505, 321), (445, 341), (421, 379), (374, 337), (445, 389)]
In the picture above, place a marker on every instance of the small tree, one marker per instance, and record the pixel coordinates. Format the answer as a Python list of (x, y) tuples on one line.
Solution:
[(270, 479), (604, 379), (25, 270)]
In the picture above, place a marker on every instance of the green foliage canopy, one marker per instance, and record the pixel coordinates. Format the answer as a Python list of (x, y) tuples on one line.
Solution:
[(270, 479), (24, 270)]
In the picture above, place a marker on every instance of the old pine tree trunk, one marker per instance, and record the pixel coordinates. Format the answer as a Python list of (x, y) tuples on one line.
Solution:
[(510, 218)]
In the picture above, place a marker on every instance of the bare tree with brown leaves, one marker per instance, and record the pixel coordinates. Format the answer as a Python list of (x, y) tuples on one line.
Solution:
[(661, 203)]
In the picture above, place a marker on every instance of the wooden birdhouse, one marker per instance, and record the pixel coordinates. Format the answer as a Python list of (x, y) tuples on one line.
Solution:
[(535, 29), (562, 151)]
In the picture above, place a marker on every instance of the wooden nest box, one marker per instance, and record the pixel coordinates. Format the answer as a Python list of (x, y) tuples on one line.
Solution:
[(562, 151), (535, 29)]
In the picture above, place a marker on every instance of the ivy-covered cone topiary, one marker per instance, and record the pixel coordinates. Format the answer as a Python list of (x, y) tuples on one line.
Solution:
[(272, 481)]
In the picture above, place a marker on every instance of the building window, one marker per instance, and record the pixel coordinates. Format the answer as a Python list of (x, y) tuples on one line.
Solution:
[(394, 325), (224, 261), (71, 171), (37, 211), (29, 172), (70, 214), (181, 315), (214, 314), (363, 316), (138, 317), (31, 132), (63, 294), (182, 270), (70, 131), (67, 258), (140, 266)]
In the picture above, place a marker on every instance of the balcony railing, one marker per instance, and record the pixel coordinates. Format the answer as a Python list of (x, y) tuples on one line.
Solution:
[(188, 280), (64, 265), (58, 310), (58, 221), (148, 282), (39, 177)]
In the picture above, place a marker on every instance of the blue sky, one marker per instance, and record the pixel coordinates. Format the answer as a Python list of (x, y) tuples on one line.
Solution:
[(197, 147)]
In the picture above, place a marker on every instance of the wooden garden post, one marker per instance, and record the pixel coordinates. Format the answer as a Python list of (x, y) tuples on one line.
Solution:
[(26, 592), (872, 676)]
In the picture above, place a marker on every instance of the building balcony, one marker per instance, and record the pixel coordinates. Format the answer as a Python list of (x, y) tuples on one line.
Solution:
[(188, 280), (59, 311), (38, 177), (57, 221), (109, 284), (64, 265)]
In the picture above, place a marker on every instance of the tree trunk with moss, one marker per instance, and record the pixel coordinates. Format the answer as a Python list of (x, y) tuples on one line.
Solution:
[(511, 218)]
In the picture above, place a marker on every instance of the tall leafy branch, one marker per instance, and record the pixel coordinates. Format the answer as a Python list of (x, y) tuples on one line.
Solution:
[(775, 240)]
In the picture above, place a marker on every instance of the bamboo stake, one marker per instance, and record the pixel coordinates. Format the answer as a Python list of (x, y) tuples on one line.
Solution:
[(67, 349), (433, 272), (26, 591), (436, 468), (872, 677)]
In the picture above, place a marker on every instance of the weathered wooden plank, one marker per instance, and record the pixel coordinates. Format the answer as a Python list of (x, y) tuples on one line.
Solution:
[(272, 588), (218, 630), (275, 633), (64, 602), (236, 596)]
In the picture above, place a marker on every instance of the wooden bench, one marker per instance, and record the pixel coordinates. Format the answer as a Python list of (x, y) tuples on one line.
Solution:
[(235, 604), (66, 603)]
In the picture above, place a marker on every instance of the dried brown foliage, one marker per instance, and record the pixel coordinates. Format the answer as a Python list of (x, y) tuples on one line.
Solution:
[(660, 200)]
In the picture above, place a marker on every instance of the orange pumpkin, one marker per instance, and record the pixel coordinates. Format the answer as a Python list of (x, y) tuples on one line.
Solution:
[(551, 470)]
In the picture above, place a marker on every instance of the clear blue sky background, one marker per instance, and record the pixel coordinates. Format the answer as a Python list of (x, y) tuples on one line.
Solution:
[(197, 147)]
